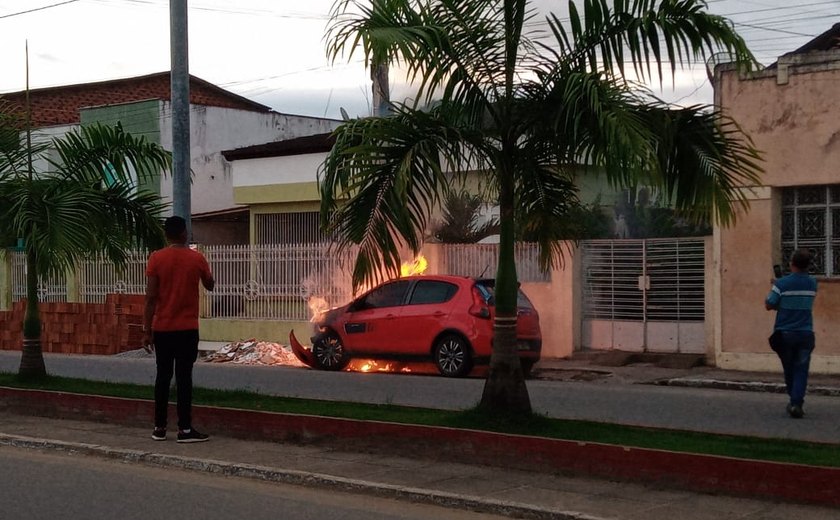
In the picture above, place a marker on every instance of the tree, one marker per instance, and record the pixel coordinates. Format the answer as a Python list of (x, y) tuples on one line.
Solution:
[(460, 222), (88, 200), (527, 104)]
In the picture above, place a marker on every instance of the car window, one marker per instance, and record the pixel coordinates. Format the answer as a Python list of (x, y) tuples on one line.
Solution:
[(522, 301), (388, 295), (432, 291), (488, 291)]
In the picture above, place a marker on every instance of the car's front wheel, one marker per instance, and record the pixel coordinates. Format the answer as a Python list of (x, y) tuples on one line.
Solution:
[(329, 353), (452, 356)]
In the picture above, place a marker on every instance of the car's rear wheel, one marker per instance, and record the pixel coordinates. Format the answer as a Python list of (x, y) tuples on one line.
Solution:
[(329, 352), (452, 356)]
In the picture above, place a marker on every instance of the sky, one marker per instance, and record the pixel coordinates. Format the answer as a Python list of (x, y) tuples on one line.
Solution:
[(273, 51)]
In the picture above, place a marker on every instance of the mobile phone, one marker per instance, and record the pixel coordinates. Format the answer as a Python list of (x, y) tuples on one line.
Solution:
[(777, 271)]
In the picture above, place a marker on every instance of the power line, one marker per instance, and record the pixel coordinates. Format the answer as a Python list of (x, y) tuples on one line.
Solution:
[(37, 9), (226, 10)]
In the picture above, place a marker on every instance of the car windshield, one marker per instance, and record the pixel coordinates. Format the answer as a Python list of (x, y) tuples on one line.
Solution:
[(487, 288)]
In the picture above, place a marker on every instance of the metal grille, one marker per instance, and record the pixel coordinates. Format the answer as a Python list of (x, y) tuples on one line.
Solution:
[(53, 289), (99, 277), (676, 276), (644, 280), (811, 220), (288, 228), (611, 279), (481, 260), (269, 282)]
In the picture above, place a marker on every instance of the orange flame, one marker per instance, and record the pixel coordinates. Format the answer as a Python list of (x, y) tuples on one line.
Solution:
[(371, 365), (417, 266)]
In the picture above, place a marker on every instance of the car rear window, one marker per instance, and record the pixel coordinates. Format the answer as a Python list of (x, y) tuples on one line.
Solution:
[(488, 290), (432, 291)]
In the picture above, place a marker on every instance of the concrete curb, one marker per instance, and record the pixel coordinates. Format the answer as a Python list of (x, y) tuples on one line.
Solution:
[(300, 478), (748, 386), (679, 470)]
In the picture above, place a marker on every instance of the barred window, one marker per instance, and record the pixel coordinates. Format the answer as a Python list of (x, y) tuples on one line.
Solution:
[(288, 228), (811, 220)]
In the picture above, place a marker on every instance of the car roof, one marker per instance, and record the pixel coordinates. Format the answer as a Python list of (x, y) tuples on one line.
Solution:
[(460, 280)]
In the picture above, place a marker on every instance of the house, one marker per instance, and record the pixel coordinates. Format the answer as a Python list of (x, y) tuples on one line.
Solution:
[(791, 110), (219, 120), (277, 182)]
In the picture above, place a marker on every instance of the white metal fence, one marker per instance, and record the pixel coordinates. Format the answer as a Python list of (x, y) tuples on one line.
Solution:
[(276, 282), (272, 282), (481, 260), (52, 290), (98, 277)]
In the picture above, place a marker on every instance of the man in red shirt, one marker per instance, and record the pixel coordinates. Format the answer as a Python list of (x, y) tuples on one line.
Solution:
[(170, 324)]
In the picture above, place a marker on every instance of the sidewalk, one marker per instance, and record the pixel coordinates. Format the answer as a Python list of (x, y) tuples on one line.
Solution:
[(677, 370), (513, 494), (577, 389)]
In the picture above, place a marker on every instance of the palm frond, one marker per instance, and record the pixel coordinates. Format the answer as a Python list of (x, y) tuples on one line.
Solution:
[(546, 197), (590, 120), (381, 181), (703, 161), (101, 153), (90, 200), (636, 31)]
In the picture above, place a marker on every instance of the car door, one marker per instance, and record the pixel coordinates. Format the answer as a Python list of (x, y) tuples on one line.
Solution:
[(372, 321), (424, 315)]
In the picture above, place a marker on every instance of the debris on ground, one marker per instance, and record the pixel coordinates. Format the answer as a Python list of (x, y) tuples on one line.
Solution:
[(253, 352)]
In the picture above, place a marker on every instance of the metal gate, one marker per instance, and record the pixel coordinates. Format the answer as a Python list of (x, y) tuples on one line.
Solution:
[(644, 295)]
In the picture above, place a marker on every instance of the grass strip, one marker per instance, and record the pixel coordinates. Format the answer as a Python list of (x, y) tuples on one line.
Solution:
[(778, 450)]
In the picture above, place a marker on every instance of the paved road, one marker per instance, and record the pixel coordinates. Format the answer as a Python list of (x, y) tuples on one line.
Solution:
[(717, 411), (49, 486)]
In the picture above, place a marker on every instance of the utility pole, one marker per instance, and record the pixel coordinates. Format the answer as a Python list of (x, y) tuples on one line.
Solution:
[(180, 100)]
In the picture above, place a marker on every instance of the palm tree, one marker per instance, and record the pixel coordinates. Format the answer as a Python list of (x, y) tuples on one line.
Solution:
[(526, 102), (88, 200)]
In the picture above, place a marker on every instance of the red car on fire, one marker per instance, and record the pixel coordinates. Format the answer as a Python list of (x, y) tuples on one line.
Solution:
[(448, 319)]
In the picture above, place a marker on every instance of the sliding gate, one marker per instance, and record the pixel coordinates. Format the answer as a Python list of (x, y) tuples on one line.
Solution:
[(644, 295)]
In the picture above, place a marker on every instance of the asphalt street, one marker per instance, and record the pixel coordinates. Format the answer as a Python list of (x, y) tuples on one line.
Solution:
[(698, 409), (47, 486)]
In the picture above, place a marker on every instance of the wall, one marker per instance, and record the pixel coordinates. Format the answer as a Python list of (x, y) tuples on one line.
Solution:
[(80, 328), (559, 304), (791, 113)]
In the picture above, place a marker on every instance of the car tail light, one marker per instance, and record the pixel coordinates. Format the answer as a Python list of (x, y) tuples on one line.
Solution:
[(479, 306)]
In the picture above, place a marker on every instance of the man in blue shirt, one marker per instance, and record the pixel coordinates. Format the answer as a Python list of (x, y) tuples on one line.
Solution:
[(792, 297)]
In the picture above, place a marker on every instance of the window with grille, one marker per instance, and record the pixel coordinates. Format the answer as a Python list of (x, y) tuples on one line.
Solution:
[(811, 220), (288, 228)]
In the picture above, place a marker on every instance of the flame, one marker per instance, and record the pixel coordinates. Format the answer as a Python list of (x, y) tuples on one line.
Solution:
[(417, 266), (317, 306), (371, 365)]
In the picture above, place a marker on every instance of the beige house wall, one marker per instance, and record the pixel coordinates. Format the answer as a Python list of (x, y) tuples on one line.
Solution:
[(559, 304), (793, 115)]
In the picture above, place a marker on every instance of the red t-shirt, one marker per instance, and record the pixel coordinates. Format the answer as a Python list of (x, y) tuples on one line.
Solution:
[(179, 271)]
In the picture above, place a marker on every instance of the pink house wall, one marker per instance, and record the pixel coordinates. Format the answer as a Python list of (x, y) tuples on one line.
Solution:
[(792, 113)]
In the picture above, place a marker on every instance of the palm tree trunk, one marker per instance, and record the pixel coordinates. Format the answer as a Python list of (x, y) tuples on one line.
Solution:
[(32, 357), (504, 389)]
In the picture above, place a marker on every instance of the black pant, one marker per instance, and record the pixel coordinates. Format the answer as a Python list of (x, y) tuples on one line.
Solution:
[(181, 349)]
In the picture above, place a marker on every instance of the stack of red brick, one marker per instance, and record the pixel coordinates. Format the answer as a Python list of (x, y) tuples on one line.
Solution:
[(80, 328)]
